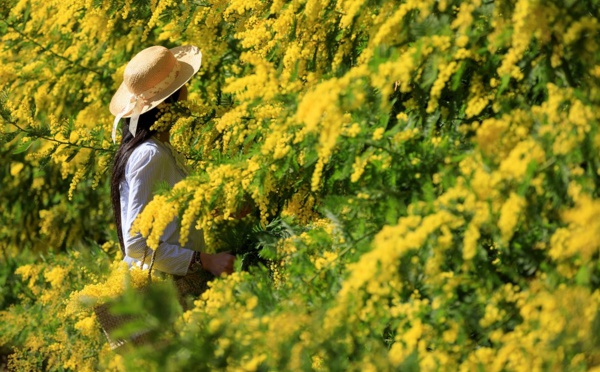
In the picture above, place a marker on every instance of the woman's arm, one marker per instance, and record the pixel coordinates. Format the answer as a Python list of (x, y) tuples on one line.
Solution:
[(145, 169)]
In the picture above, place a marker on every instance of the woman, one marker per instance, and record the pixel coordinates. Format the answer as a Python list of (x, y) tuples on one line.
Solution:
[(145, 158)]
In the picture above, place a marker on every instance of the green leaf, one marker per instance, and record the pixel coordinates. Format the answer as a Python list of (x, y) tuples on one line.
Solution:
[(456, 78), (268, 252), (531, 169), (32, 107), (392, 212), (429, 76), (583, 276), (503, 84), (72, 156), (23, 147)]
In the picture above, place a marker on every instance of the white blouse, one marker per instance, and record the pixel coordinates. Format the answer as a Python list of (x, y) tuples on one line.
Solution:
[(151, 163)]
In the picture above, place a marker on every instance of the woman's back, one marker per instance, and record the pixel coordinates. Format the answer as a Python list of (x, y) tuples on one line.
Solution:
[(149, 165)]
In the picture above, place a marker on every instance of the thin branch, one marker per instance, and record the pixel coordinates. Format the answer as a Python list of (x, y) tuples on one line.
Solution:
[(391, 152), (45, 49), (33, 134)]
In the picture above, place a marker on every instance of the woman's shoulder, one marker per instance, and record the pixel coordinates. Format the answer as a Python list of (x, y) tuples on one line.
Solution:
[(149, 146), (147, 152)]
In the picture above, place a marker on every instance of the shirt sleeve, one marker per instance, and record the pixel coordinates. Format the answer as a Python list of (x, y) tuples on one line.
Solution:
[(144, 171)]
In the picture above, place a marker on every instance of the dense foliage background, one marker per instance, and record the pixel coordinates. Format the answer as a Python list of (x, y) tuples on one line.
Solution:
[(424, 176)]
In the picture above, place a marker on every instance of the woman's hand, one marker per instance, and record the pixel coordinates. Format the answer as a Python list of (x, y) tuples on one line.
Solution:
[(246, 209), (218, 263)]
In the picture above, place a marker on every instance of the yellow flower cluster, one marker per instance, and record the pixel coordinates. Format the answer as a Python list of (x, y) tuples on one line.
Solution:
[(478, 98), (157, 215), (301, 206), (445, 71), (30, 272), (464, 18), (580, 237), (520, 40), (87, 326), (544, 319), (509, 216), (119, 278)]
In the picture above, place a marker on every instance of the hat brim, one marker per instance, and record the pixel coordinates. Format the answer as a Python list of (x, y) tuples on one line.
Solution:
[(189, 58)]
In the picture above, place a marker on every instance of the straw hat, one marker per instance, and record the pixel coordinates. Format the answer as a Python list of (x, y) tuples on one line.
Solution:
[(151, 77)]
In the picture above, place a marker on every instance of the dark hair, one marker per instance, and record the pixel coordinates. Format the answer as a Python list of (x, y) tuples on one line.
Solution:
[(128, 144)]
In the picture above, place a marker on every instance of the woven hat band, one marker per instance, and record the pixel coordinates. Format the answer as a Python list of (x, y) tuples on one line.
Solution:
[(162, 85)]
